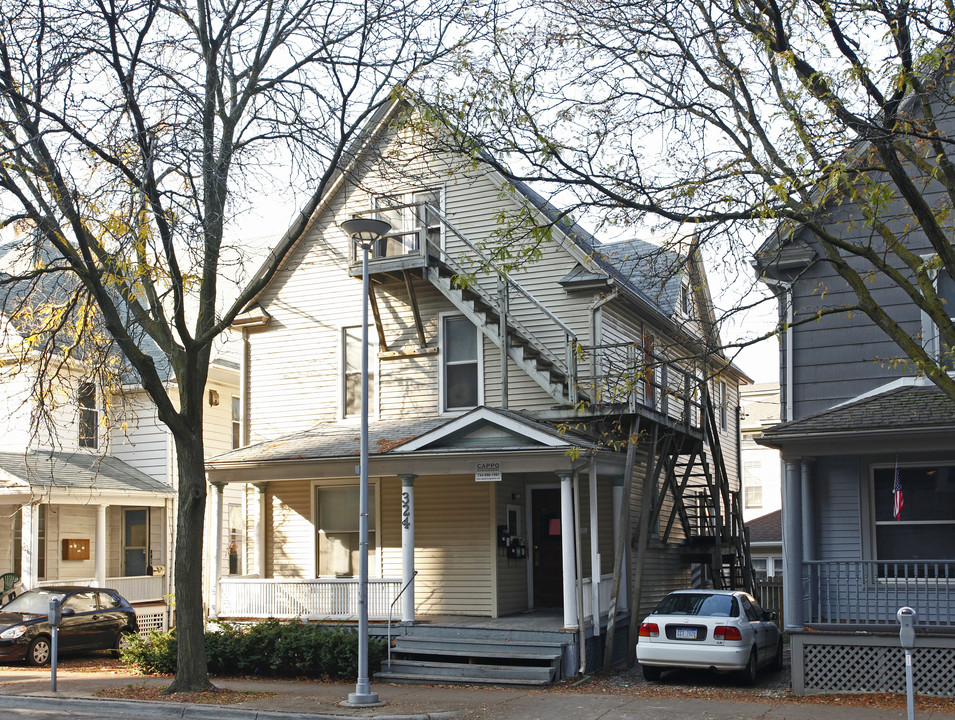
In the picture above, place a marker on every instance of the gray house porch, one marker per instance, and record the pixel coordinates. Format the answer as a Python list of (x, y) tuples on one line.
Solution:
[(851, 561)]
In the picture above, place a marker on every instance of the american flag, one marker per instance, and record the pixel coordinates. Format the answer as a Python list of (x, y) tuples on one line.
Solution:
[(898, 502)]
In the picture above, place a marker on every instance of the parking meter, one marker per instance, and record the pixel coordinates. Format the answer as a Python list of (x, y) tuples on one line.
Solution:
[(906, 616), (55, 617)]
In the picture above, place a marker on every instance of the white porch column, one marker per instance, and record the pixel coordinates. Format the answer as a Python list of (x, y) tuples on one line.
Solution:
[(568, 559), (260, 517), (808, 540), (100, 550), (407, 547), (619, 544), (29, 542), (215, 565)]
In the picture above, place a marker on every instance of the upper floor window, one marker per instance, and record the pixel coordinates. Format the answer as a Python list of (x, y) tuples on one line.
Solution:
[(752, 484), (351, 371), (88, 415), (945, 288), (460, 363), (236, 423), (412, 219), (684, 299), (724, 405)]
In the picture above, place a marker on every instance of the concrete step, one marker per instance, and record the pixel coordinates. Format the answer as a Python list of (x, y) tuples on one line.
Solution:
[(541, 652), (432, 671)]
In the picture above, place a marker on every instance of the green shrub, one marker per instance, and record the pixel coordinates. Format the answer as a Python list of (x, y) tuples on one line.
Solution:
[(153, 654), (267, 648)]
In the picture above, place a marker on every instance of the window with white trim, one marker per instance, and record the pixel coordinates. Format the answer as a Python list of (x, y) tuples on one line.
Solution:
[(752, 483), (412, 220), (88, 427), (945, 288), (460, 365), (351, 370), (925, 529), (337, 532), (236, 423), (724, 405)]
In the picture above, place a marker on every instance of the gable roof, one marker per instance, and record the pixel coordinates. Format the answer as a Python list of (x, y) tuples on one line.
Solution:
[(481, 429), (67, 469), (904, 408), (766, 528)]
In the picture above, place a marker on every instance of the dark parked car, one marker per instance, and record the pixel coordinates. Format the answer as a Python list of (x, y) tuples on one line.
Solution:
[(93, 619)]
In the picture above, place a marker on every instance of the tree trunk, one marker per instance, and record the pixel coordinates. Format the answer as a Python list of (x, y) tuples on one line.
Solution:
[(192, 673)]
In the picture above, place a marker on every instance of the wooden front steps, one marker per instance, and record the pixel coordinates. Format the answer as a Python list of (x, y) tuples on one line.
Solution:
[(429, 654)]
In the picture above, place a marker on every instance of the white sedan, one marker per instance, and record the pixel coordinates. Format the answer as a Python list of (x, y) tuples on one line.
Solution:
[(709, 629)]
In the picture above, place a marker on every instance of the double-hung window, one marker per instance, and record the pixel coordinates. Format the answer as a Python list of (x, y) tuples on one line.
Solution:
[(88, 428), (337, 532), (461, 363), (945, 288), (412, 219), (351, 370), (925, 528), (752, 483)]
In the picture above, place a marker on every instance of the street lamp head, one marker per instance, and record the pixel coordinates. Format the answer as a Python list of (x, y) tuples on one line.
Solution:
[(366, 230)]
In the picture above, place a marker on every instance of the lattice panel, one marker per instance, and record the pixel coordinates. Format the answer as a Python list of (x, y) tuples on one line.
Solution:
[(151, 621), (841, 668)]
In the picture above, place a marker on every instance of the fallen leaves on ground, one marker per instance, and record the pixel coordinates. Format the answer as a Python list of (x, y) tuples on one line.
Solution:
[(210, 697)]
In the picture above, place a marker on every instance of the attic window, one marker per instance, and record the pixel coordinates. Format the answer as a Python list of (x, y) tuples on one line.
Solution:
[(88, 415), (412, 220), (945, 288), (684, 302)]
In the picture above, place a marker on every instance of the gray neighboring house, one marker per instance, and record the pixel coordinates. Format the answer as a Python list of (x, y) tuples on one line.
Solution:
[(853, 418)]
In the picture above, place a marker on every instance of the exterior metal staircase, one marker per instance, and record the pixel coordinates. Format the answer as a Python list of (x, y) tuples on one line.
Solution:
[(430, 654)]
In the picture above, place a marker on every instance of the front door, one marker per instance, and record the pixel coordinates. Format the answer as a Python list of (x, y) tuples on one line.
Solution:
[(545, 511)]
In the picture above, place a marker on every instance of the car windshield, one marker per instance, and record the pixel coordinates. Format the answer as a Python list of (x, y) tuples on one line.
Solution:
[(36, 602), (700, 604)]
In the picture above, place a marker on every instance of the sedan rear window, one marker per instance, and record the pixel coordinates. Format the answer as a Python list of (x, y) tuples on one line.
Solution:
[(699, 604)]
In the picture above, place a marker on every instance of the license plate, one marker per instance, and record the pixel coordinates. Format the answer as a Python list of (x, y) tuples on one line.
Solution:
[(686, 633)]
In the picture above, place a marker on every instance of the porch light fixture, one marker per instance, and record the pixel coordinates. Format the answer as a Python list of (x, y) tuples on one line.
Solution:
[(364, 231)]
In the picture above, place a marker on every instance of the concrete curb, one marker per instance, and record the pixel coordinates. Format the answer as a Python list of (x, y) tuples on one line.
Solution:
[(147, 709)]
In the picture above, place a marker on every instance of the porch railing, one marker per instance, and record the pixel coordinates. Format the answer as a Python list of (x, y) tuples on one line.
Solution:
[(135, 588), (331, 599), (872, 591), (603, 592)]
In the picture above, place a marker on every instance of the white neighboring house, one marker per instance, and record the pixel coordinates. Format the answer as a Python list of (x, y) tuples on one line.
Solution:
[(89, 499), (762, 499)]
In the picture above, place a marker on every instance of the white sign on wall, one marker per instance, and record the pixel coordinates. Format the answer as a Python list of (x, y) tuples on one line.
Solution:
[(487, 472)]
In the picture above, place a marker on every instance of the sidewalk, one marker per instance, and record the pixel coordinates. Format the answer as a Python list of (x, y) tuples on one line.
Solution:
[(303, 700)]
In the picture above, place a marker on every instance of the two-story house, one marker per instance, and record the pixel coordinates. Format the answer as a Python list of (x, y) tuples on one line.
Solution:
[(868, 484), (504, 398), (87, 472)]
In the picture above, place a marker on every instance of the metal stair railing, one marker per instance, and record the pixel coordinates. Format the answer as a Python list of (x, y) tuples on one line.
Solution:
[(391, 612), (568, 366)]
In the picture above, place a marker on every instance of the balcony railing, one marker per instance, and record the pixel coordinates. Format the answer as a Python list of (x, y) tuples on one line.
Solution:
[(627, 374), (872, 591), (135, 588), (332, 599)]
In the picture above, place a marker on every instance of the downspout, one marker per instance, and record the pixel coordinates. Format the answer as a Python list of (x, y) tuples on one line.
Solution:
[(596, 329), (784, 294)]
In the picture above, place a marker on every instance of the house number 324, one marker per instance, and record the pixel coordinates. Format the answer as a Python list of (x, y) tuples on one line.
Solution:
[(405, 510)]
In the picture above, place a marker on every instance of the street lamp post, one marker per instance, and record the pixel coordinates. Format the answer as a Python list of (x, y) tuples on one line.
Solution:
[(364, 231)]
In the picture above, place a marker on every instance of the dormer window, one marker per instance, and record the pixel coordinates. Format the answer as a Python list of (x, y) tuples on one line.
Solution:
[(88, 415)]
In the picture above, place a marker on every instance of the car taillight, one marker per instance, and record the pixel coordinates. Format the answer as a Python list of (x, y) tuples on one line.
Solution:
[(649, 630), (727, 632)]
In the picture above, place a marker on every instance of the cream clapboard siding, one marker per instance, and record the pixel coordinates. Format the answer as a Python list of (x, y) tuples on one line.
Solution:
[(7, 513), (450, 512), (313, 297)]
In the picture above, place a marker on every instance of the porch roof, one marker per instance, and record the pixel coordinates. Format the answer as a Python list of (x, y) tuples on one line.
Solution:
[(902, 409), (70, 469), (468, 432)]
